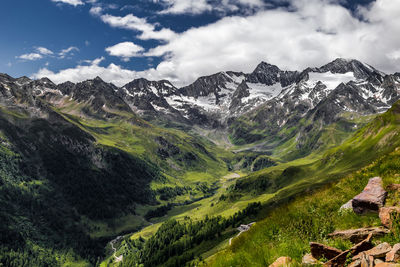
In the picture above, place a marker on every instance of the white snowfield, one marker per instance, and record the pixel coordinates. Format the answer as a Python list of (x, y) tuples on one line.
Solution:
[(329, 79)]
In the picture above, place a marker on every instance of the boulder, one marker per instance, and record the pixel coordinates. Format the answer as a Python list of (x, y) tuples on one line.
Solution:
[(371, 198), (320, 250), (281, 262), (386, 213), (394, 254), (308, 259), (379, 251), (357, 235)]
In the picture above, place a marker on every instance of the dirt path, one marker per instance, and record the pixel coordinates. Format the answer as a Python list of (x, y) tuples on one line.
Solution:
[(112, 242), (243, 228)]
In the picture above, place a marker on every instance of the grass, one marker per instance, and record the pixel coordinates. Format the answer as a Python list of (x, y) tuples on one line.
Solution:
[(288, 229)]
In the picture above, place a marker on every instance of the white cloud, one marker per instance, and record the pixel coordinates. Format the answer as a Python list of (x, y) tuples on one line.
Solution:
[(201, 6), (186, 6), (134, 23), (125, 50), (96, 10), (309, 33), (113, 73), (31, 56), (44, 50), (312, 33), (68, 51), (69, 2)]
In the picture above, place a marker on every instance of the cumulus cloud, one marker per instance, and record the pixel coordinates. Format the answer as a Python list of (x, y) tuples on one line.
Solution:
[(113, 73), (131, 22), (308, 33), (125, 50), (96, 10), (39, 53), (312, 33), (44, 50), (185, 6), (201, 6), (30, 56), (67, 51), (69, 2)]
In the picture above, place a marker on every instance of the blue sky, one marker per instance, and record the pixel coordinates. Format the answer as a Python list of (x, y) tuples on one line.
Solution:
[(180, 40)]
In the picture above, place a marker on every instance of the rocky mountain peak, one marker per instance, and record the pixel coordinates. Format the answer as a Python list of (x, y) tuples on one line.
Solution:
[(264, 67), (360, 70)]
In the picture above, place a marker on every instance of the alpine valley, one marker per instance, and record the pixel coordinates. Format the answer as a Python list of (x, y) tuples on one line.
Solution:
[(149, 174)]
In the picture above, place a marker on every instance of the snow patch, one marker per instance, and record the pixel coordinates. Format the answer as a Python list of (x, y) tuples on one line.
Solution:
[(262, 91), (331, 80)]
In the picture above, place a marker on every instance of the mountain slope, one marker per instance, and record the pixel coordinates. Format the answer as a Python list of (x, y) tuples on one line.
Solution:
[(288, 229)]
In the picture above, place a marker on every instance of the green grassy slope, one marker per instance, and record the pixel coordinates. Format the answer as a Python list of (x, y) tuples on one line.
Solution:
[(280, 184), (287, 229), (70, 183)]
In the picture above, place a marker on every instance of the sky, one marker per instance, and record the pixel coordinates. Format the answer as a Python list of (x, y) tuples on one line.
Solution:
[(180, 40)]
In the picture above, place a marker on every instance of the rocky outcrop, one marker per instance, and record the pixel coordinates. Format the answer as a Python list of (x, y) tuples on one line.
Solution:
[(340, 259), (371, 198), (386, 214), (357, 235), (322, 251)]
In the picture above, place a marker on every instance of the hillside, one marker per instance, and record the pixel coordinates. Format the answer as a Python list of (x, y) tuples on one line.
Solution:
[(288, 229), (274, 187), (167, 174)]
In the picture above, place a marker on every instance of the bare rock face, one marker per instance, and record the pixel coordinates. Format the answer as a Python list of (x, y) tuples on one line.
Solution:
[(281, 262), (394, 254), (308, 259), (357, 235), (386, 213), (371, 198), (320, 250)]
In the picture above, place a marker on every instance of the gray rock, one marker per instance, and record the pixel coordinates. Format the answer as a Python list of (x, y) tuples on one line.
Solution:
[(371, 198)]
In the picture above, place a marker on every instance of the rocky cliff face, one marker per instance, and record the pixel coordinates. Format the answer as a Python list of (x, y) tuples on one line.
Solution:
[(268, 99)]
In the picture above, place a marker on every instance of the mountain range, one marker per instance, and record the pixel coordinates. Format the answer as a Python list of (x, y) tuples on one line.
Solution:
[(82, 163)]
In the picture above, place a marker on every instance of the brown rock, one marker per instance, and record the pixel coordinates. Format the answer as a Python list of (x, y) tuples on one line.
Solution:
[(362, 246), (357, 235), (281, 262), (371, 198), (379, 251), (308, 259), (376, 261), (320, 250), (394, 254), (386, 213), (356, 263), (340, 259), (365, 260)]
